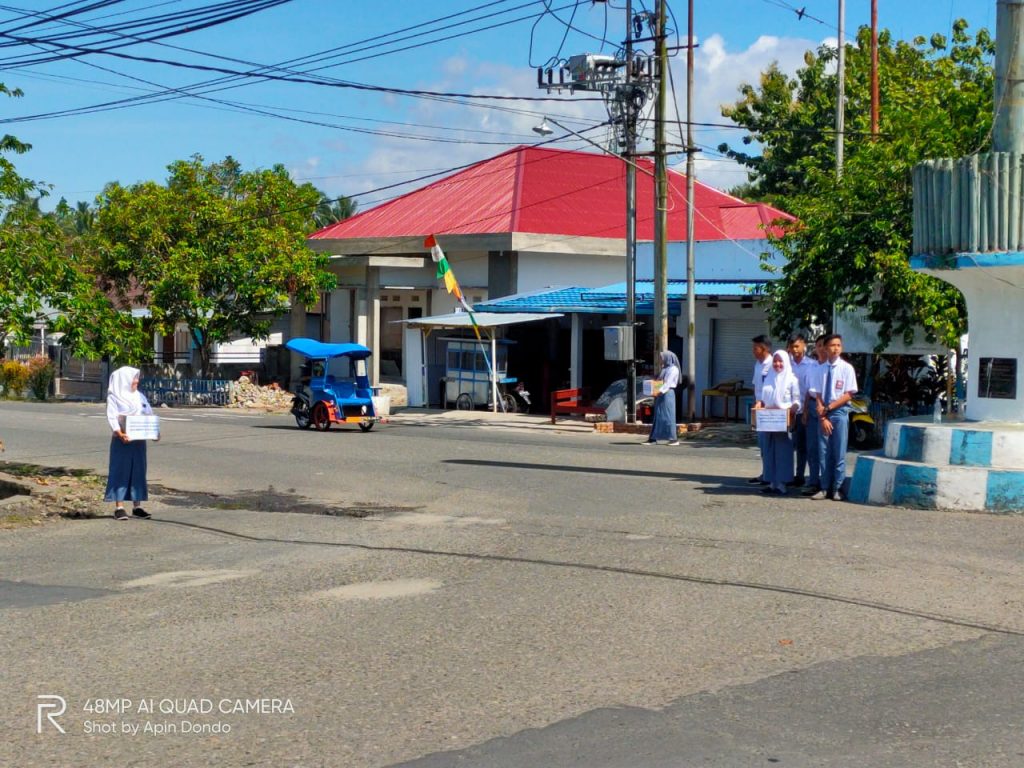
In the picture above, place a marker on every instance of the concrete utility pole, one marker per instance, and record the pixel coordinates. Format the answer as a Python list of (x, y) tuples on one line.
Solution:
[(660, 190), (1008, 126), (840, 90), (629, 115), (691, 283)]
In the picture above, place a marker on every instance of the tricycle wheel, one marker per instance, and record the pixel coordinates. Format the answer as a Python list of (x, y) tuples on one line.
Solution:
[(321, 417), (509, 403), (366, 426), (464, 402)]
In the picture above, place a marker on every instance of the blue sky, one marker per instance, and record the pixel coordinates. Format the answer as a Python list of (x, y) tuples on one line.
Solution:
[(80, 153)]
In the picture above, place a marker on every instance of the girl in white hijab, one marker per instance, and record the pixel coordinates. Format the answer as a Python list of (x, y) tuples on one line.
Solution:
[(780, 390), (126, 477)]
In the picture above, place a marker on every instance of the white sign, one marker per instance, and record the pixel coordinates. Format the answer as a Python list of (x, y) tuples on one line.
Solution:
[(142, 427), (771, 419)]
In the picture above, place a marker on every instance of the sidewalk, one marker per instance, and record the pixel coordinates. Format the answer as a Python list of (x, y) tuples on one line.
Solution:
[(427, 417)]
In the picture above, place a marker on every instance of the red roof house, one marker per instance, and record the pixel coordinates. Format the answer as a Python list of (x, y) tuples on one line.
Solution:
[(538, 198)]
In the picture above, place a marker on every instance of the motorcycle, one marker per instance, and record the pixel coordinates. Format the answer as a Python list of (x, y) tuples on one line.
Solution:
[(522, 398), (862, 424)]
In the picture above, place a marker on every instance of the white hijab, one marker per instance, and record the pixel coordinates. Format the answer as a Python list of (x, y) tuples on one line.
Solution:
[(779, 387), (121, 400), (120, 394)]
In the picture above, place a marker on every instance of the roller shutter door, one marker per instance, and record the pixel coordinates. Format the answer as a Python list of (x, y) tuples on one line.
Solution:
[(730, 352)]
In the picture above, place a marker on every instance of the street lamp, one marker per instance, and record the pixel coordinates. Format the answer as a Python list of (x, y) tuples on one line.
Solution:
[(543, 129)]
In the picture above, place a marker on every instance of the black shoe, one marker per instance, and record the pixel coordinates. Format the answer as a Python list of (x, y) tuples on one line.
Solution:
[(140, 513), (810, 490), (120, 514), (756, 481), (796, 483)]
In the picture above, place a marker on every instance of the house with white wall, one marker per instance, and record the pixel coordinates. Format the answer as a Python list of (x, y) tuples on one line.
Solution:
[(523, 222)]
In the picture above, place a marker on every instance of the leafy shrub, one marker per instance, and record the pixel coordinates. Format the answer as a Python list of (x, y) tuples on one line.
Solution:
[(41, 373), (13, 377)]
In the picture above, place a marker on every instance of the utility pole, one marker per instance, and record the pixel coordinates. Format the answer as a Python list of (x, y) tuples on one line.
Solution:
[(660, 189), (874, 68), (629, 115), (691, 284), (625, 85), (841, 90)]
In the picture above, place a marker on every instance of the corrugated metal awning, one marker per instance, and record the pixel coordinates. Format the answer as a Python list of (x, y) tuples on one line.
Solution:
[(483, 319)]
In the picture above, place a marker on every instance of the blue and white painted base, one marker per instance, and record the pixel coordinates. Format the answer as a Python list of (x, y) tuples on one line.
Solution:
[(962, 466)]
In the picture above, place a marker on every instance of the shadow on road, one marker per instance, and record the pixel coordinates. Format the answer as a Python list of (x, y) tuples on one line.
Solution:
[(726, 484)]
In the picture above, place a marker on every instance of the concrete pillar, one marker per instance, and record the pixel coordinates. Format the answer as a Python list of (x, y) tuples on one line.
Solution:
[(296, 329), (373, 321)]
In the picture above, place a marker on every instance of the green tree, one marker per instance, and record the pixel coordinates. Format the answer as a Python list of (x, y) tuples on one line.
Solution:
[(215, 247), (851, 242), (332, 210)]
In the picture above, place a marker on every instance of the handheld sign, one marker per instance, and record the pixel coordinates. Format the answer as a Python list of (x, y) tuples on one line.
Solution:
[(771, 419), (142, 427)]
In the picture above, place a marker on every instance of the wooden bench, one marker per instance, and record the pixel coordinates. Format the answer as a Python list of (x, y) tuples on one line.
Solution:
[(570, 402)]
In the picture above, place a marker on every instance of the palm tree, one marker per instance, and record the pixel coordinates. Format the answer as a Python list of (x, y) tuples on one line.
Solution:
[(332, 210), (85, 217)]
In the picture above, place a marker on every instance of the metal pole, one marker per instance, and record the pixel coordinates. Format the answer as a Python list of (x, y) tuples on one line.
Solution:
[(691, 284), (874, 67), (840, 89), (661, 191), (629, 116)]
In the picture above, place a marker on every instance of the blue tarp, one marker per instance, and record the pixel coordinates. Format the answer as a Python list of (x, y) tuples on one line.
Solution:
[(317, 350)]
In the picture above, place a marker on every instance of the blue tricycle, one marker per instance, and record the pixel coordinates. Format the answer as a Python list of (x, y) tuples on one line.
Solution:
[(324, 399)]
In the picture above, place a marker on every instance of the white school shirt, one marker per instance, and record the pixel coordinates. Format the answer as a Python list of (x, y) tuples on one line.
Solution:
[(670, 381), (844, 379), (760, 374), (805, 371)]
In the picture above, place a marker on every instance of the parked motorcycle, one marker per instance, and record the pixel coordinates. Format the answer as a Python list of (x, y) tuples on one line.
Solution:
[(862, 424), (522, 398)]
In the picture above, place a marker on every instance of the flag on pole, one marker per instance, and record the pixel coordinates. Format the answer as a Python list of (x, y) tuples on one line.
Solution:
[(444, 271)]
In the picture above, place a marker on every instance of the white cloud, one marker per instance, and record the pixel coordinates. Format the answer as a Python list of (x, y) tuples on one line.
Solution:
[(719, 74)]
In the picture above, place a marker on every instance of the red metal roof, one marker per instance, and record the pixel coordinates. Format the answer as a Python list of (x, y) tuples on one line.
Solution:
[(547, 191)]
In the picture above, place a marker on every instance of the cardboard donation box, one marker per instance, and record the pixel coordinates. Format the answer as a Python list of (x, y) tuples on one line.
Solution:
[(142, 427), (651, 387), (771, 419)]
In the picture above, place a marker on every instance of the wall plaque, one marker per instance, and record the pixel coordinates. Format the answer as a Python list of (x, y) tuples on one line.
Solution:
[(997, 377)]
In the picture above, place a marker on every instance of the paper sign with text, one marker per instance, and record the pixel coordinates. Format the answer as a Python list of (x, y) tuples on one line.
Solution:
[(771, 419), (142, 427)]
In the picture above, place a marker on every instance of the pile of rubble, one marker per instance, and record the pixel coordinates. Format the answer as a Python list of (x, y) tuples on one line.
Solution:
[(245, 394)]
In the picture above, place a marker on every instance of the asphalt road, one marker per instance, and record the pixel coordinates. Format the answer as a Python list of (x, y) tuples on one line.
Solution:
[(446, 593)]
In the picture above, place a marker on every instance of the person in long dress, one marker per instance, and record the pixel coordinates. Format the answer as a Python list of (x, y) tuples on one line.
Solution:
[(664, 426), (780, 390), (126, 476)]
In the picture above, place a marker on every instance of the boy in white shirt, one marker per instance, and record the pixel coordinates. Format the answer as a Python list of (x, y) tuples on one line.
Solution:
[(762, 350), (804, 369), (833, 388)]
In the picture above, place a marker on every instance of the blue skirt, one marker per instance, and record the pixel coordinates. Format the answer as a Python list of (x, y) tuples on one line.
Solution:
[(126, 475), (778, 457), (664, 426)]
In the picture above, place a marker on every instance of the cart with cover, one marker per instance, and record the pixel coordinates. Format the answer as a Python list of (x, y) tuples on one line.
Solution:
[(322, 398)]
